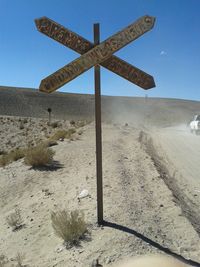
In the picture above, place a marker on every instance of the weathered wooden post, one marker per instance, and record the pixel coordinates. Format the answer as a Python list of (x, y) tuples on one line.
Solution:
[(99, 170), (49, 111)]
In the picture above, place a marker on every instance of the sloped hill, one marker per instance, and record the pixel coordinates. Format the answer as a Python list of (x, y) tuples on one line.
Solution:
[(154, 111)]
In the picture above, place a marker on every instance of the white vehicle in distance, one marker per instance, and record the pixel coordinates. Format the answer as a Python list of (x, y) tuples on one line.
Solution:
[(195, 125)]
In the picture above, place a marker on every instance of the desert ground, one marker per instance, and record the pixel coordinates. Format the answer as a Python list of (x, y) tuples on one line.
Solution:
[(151, 183)]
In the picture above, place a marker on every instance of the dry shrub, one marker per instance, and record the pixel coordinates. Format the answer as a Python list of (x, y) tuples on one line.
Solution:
[(17, 154), (4, 160), (70, 132), (70, 226), (80, 123), (80, 132), (62, 134), (58, 135), (19, 259), (55, 124), (72, 123), (49, 143), (14, 155), (39, 156), (15, 220), (2, 152), (3, 260)]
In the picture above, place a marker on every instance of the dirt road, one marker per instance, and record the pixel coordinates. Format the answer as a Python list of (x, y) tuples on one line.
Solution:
[(183, 150)]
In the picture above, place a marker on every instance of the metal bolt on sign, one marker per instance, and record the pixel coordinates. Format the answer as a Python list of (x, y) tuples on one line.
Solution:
[(94, 55)]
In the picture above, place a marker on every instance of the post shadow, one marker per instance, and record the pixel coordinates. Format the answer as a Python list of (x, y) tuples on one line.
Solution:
[(150, 242), (54, 166)]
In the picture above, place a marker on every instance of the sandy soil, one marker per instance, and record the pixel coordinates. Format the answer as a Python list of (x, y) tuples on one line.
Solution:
[(141, 214)]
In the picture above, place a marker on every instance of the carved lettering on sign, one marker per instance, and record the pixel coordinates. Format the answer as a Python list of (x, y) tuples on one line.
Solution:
[(130, 72), (98, 54), (81, 45), (62, 35)]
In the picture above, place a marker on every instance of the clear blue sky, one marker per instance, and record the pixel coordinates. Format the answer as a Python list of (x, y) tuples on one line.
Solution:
[(170, 52)]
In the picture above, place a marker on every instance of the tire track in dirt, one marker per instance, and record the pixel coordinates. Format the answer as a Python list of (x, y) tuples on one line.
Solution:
[(148, 203), (181, 190)]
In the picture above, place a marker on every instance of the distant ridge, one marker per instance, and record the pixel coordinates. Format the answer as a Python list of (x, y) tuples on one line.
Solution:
[(28, 102)]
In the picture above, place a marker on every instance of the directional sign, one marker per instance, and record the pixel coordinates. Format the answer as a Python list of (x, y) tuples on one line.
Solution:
[(93, 55), (97, 55), (79, 44)]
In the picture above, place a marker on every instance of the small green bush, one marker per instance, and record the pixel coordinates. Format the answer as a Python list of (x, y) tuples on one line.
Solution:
[(39, 156), (71, 227)]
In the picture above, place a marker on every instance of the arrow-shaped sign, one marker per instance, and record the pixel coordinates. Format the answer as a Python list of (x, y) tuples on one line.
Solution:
[(97, 55), (79, 44)]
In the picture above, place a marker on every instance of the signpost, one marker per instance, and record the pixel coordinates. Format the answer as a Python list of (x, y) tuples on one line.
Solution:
[(94, 55)]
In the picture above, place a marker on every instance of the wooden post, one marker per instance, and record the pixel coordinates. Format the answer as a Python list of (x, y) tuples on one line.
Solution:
[(49, 111), (98, 132)]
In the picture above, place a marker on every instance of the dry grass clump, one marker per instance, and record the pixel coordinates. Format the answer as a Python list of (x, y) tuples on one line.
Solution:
[(15, 220), (62, 134), (70, 226), (25, 120), (14, 155), (19, 259), (55, 124), (3, 260), (2, 152), (49, 143), (72, 123), (70, 132), (39, 156), (81, 123), (4, 160)]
